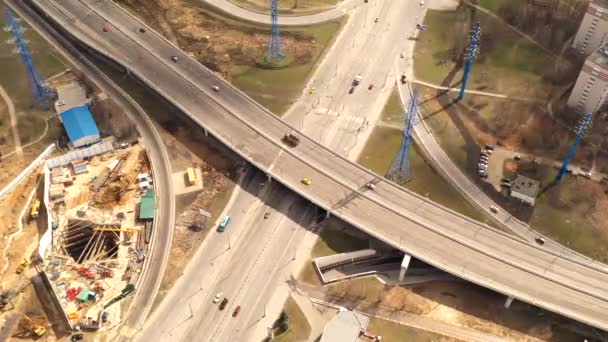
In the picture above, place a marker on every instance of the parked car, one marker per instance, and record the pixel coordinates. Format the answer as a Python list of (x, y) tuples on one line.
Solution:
[(223, 303), (76, 337), (371, 86), (266, 214)]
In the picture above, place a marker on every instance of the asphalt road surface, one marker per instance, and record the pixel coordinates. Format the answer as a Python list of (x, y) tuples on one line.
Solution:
[(405, 220)]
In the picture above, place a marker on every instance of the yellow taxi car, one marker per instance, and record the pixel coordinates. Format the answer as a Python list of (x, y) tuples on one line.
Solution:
[(306, 181)]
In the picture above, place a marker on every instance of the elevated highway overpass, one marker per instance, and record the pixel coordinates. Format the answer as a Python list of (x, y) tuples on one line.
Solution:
[(412, 223)]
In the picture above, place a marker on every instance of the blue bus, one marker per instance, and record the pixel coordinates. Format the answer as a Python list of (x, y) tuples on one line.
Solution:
[(223, 224)]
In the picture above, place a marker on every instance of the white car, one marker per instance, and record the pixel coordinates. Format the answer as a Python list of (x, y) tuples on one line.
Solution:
[(216, 88), (218, 297), (493, 209), (421, 2)]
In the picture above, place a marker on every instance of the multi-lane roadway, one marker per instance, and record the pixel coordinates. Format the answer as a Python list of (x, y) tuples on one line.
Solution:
[(405, 220)]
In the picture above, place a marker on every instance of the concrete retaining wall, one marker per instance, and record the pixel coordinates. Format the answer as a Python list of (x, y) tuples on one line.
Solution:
[(26, 172)]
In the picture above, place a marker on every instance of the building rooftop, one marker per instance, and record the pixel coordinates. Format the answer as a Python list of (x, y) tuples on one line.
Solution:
[(79, 123), (345, 327), (526, 186), (147, 206), (70, 96)]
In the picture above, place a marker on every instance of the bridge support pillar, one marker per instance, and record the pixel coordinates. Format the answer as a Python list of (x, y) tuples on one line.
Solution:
[(327, 214), (269, 177), (404, 266), (508, 302), (205, 132)]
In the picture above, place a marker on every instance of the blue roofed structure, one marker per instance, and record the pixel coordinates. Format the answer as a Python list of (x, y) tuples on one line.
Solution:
[(80, 126)]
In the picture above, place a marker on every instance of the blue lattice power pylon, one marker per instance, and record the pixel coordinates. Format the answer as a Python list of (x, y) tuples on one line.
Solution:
[(42, 96), (579, 135), (275, 47), (400, 171), (471, 54)]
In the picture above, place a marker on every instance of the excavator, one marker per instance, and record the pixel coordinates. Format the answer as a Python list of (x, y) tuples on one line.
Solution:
[(24, 263), (31, 327)]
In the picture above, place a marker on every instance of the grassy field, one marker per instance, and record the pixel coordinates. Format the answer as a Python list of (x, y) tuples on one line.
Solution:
[(492, 5), (393, 332), (381, 149), (288, 6), (299, 329), (507, 63), (31, 121), (277, 89), (393, 111)]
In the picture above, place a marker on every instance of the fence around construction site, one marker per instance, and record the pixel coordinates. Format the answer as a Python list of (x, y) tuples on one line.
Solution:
[(26, 172)]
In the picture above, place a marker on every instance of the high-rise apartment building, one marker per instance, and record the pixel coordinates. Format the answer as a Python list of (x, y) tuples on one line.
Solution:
[(591, 87), (593, 31)]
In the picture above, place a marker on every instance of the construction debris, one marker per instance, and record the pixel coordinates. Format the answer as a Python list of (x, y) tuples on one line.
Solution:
[(94, 226)]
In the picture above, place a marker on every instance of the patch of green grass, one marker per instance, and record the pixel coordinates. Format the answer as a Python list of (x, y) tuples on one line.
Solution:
[(334, 241), (434, 49), (14, 79), (277, 89), (378, 155), (564, 213), (393, 111), (13, 75), (393, 332), (491, 5), (299, 329), (507, 62), (288, 6)]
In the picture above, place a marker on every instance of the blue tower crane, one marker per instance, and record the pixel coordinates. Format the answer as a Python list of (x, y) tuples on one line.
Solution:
[(400, 171), (275, 47), (580, 132), (42, 96), (471, 54)]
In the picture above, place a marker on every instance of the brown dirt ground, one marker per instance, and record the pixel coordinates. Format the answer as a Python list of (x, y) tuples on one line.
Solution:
[(24, 245), (220, 45), (456, 303)]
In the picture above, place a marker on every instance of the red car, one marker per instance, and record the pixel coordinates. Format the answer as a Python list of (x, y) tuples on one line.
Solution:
[(236, 311)]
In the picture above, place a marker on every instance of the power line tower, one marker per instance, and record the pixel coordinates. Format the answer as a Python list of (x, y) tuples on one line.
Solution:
[(471, 54), (42, 96), (400, 171), (275, 47), (580, 132)]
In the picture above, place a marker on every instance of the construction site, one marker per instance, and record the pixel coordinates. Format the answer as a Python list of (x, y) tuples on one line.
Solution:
[(100, 213)]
